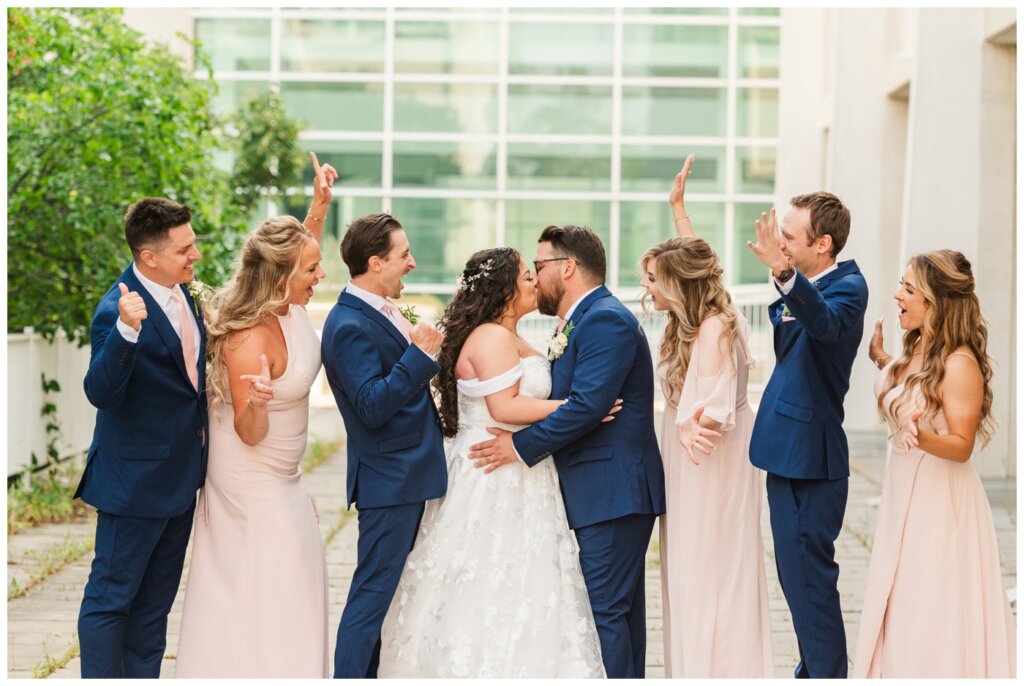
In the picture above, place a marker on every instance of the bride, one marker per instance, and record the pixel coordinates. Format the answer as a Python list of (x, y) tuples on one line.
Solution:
[(492, 587)]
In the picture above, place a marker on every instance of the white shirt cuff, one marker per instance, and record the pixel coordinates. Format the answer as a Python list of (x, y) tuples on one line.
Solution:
[(788, 286), (127, 332)]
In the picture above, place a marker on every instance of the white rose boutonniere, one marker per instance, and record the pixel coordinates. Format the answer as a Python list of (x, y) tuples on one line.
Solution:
[(200, 293), (556, 346)]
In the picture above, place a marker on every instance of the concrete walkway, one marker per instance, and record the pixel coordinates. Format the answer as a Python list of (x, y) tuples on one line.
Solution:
[(42, 623)]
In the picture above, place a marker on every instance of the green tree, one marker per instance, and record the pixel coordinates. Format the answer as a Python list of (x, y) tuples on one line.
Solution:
[(97, 118)]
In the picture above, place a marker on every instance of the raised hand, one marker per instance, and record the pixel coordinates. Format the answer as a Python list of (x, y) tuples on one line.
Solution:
[(323, 179), (611, 413), (676, 200), (692, 435), (910, 436), (767, 248), (131, 307), (260, 390), (876, 348), (426, 338)]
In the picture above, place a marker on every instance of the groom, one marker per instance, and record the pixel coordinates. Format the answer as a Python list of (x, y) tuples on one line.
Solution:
[(379, 368), (147, 380), (611, 473)]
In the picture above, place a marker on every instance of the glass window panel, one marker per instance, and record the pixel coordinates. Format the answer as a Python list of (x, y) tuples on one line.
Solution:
[(525, 219), (757, 112), (444, 165), (713, 11), (358, 163), (231, 94), (235, 44), (653, 168), (336, 106), (759, 11), (534, 166), (645, 224), (444, 232), (750, 270), (446, 47), (446, 10), (560, 109), (755, 169), (325, 45), (675, 50), (673, 111), (758, 52), (557, 48), (561, 10), (446, 107)]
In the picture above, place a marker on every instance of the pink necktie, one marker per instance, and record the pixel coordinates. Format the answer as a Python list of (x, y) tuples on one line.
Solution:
[(401, 322), (561, 325), (188, 344)]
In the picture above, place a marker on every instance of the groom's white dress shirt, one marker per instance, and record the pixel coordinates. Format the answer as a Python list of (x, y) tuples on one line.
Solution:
[(377, 302), (162, 295), (788, 286)]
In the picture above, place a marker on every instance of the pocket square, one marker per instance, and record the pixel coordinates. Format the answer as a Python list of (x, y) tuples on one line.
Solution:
[(788, 319)]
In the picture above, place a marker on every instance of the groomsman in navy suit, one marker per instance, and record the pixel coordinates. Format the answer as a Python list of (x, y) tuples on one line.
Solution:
[(798, 435), (379, 367), (147, 379), (611, 474)]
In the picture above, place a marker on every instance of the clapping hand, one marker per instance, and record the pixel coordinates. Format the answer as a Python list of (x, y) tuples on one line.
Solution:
[(767, 249), (876, 348), (910, 436), (260, 390), (323, 178), (131, 307), (692, 435)]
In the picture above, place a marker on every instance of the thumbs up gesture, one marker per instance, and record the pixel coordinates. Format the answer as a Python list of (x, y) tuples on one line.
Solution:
[(260, 391), (131, 307)]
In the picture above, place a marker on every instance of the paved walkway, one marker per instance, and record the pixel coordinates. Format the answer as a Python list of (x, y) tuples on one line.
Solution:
[(43, 622)]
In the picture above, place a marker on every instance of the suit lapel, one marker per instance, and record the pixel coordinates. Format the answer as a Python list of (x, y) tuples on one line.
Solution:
[(347, 298), (161, 324), (578, 313)]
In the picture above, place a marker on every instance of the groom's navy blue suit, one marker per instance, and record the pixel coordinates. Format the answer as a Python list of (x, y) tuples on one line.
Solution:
[(396, 462), (146, 461), (611, 474), (798, 439)]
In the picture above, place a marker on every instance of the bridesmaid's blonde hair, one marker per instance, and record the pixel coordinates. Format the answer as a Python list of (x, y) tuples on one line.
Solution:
[(689, 276), (269, 259), (952, 318)]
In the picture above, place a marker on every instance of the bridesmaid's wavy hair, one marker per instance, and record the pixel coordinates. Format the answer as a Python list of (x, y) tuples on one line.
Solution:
[(689, 277), (488, 287), (269, 259), (952, 318)]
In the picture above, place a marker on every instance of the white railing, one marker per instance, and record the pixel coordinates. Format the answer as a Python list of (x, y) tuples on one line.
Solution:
[(537, 329), (29, 357)]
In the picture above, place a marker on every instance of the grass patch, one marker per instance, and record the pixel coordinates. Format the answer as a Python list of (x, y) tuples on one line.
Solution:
[(49, 664), (317, 453), (48, 497), (50, 561)]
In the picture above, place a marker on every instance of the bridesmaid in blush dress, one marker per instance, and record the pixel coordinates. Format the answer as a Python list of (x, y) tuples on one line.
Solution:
[(256, 599), (934, 606), (714, 589)]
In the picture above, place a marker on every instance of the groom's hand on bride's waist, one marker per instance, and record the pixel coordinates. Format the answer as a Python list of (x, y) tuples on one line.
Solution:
[(494, 453)]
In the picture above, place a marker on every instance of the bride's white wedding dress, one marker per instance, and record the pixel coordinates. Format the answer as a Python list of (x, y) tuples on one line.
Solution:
[(493, 587)]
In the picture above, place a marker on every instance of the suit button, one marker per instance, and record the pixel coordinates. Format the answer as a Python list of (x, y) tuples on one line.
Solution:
[(199, 432)]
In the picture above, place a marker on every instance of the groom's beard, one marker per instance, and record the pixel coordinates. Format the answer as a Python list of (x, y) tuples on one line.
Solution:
[(547, 302)]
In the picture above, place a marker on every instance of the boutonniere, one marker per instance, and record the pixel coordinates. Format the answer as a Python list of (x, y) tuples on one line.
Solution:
[(200, 293), (409, 312), (785, 311), (556, 346)]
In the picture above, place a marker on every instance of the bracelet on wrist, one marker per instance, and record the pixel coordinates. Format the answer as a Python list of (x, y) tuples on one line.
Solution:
[(681, 217), (316, 219)]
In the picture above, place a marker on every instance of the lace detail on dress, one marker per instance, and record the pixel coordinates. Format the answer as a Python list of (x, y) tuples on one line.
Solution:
[(493, 586)]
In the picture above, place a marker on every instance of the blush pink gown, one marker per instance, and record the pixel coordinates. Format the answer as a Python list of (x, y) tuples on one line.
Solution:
[(714, 591), (256, 599), (934, 605)]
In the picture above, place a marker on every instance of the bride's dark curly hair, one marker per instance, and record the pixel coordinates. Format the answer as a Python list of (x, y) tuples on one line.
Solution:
[(487, 286)]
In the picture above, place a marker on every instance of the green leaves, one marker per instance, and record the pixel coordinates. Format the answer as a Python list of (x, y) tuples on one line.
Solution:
[(98, 118)]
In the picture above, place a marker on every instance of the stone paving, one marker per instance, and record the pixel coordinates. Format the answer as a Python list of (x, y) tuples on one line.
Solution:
[(43, 622)]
